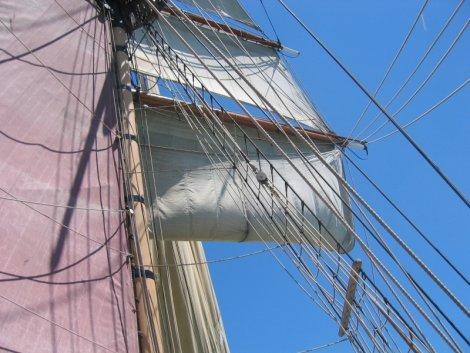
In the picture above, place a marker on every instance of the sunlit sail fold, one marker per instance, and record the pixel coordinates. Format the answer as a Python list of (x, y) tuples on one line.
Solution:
[(228, 8), (261, 65)]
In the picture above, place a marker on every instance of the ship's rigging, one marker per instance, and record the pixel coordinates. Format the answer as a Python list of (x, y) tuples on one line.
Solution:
[(218, 141), (195, 92)]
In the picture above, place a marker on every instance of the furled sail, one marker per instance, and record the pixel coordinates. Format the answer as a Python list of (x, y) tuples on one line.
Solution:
[(260, 64), (227, 8), (195, 199), (194, 322)]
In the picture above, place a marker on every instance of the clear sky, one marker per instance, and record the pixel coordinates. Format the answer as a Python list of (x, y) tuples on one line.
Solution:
[(263, 310)]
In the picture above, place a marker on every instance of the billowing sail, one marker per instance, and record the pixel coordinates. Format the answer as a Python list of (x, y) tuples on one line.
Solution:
[(227, 8), (199, 199), (260, 64)]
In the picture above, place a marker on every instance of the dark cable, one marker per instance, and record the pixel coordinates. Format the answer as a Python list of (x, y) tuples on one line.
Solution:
[(441, 312), (378, 105), (392, 64), (270, 22), (415, 227)]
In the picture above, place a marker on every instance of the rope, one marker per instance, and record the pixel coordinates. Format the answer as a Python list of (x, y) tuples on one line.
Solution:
[(406, 218), (250, 223), (375, 259), (63, 225), (392, 64), (426, 80), (422, 115), (203, 147), (290, 275), (55, 323), (111, 130), (58, 206), (423, 154), (387, 271), (324, 346), (418, 230), (231, 258), (203, 144), (318, 155), (270, 22), (418, 65)]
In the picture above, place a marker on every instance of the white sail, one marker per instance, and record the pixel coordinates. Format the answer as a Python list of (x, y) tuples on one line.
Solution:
[(197, 200), (194, 319), (259, 64), (227, 8)]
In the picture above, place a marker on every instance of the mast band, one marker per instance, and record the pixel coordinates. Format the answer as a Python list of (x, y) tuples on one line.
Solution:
[(130, 137), (140, 272), (129, 88), (122, 48), (134, 198)]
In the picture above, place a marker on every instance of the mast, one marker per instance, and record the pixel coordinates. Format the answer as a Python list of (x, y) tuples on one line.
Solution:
[(144, 280)]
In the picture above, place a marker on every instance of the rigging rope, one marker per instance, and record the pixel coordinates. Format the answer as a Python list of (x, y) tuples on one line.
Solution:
[(111, 130), (318, 155), (287, 271), (63, 225), (390, 67), (239, 43), (56, 323), (418, 65), (426, 80), (270, 21), (265, 209), (59, 206), (208, 155), (434, 166), (183, 110), (323, 346), (214, 261), (422, 115)]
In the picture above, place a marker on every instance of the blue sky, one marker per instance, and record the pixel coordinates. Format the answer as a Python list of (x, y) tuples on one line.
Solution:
[(263, 310)]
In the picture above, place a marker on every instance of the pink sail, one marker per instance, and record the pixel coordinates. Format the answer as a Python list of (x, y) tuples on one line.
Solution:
[(65, 285)]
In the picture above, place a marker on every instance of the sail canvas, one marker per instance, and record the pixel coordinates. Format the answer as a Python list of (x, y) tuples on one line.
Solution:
[(65, 282), (199, 196), (261, 65)]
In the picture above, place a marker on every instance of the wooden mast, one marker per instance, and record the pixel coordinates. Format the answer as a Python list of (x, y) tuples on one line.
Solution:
[(139, 238)]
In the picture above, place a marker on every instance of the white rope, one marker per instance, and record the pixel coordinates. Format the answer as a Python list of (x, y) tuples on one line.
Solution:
[(323, 346), (392, 64), (238, 42), (422, 115), (319, 156), (59, 206), (56, 324), (421, 86), (65, 226), (216, 261), (424, 56)]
